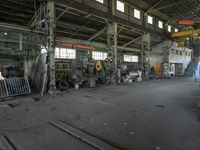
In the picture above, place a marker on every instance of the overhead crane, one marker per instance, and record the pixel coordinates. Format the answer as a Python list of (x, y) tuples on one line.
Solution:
[(193, 33)]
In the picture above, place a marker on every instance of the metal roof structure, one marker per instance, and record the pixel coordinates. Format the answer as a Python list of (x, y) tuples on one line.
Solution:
[(80, 20)]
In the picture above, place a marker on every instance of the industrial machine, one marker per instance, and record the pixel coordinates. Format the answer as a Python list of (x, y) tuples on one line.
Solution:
[(101, 72), (190, 35), (192, 32)]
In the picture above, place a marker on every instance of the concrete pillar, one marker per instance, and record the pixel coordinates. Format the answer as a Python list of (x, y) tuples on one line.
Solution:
[(51, 44)]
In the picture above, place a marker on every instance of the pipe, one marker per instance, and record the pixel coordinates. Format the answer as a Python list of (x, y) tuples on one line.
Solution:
[(6, 26), (75, 45)]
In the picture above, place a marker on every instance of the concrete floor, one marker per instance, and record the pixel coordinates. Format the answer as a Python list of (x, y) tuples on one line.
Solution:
[(151, 115)]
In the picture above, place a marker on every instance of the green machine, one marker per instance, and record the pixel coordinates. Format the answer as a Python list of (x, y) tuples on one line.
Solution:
[(101, 72)]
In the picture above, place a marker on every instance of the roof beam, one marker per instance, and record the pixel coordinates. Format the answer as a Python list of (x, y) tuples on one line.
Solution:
[(17, 28), (13, 13), (163, 7), (74, 26), (103, 15), (61, 14), (155, 5), (18, 8), (98, 34), (14, 19), (189, 9), (132, 41), (26, 4)]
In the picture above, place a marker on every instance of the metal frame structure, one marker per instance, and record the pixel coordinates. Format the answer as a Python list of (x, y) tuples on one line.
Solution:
[(78, 20), (14, 87)]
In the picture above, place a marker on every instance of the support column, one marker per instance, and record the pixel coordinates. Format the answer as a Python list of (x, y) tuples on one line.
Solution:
[(112, 52), (146, 51), (112, 41), (113, 7), (51, 44), (20, 41), (115, 44)]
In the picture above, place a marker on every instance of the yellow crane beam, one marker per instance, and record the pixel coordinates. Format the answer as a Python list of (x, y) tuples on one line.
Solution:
[(187, 33)]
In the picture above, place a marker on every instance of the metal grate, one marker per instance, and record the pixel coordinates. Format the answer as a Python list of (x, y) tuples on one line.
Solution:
[(14, 87), (3, 89)]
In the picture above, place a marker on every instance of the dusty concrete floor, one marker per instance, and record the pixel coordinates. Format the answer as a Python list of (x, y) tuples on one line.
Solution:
[(151, 115)]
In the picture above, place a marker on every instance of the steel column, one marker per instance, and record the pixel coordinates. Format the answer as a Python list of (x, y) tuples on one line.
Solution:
[(115, 43), (112, 35), (51, 45)]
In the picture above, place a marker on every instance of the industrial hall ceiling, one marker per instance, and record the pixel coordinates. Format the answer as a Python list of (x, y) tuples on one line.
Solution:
[(76, 23)]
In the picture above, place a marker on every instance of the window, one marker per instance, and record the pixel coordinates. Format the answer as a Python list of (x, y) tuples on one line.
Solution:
[(169, 28), (57, 52), (185, 53), (65, 53), (172, 51), (176, 52), (120, 6), (137, 14), (176, 30), (99, 55), (130, 58), (150, 19), (160, 24), (100, 1)]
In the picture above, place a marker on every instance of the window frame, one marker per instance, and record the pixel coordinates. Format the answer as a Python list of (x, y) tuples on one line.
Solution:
[(181, 53), (150, 19), (160, 23), (100, 1), (99, 55), (137, 13), (173, 51), (120, 8), (131, 58), (65, 53), (169, 28), (177, 51)]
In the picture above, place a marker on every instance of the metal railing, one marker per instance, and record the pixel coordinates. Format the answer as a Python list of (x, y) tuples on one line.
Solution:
[(14, 86)]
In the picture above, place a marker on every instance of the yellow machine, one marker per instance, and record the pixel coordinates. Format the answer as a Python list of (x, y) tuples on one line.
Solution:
[(99, 65), (190, 33), (182, 35)]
